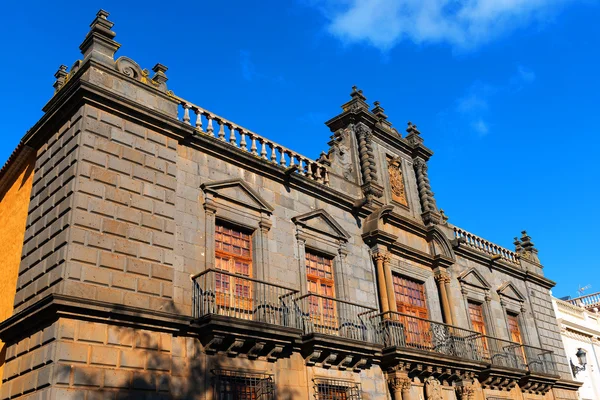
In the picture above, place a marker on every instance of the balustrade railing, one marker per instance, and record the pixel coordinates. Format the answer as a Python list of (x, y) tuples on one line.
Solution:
[(329, 316), (587, 301), (223, 293), (486, 246), (210, 124)]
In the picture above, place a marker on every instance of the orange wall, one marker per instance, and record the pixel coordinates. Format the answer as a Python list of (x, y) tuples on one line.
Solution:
[(14, 202)]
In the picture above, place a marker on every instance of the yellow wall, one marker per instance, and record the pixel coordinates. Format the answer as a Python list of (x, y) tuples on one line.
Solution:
[(14, 202)]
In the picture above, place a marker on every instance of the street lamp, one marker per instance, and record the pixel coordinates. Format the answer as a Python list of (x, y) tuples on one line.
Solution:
[(582, 358)]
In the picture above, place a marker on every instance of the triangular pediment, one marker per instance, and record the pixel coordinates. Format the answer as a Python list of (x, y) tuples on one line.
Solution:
[(322, 222), (237, 191), (509, 290), (473, 278)]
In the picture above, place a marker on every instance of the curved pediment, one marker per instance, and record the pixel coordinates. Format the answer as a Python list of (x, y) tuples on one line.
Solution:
[(508, 290), (237, 191), (440, 243), (320, 221), (473, 278)]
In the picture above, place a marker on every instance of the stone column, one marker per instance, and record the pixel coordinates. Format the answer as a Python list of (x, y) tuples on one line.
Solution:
[(449, 294), (389, 280), (440, 278), (381, 286), (400, 386)]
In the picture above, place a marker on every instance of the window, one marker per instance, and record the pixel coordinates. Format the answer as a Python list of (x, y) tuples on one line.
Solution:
[(476, 315), (411, 300), (319, 275), (513, 328), (515, 332), (477, 321), (233, 254), (330, 389), (235, 385)]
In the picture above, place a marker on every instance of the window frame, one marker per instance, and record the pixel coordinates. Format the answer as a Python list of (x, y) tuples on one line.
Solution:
[(241, 301)]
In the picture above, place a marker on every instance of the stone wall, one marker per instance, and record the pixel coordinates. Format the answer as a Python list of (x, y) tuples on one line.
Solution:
[(122, 238), (48, 219), (14, 202)]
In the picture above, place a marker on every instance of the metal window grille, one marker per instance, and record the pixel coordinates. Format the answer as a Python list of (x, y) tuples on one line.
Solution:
[(236, 385), (331, 389)]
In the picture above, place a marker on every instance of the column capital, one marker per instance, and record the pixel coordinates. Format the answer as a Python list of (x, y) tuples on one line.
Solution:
[(441, 276), (465, 391), (381, 255), (399, 383)]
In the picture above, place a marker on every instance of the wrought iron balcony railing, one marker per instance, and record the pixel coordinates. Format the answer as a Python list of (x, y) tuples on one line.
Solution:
[(222, 293), (402, 330), (407, 331), (540, 360), (329, 316)]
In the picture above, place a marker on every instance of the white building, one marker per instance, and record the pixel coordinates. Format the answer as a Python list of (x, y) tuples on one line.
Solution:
[(579, 321)]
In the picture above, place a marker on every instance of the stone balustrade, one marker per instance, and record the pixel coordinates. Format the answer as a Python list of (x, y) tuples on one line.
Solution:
[(587, 301), (210, 124), (485, 246)]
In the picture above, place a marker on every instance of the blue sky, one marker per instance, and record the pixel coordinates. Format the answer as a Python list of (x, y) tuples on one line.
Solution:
[(506, 93)]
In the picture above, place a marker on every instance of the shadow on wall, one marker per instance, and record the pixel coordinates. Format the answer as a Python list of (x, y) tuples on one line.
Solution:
[(2, 357), (165, 374)]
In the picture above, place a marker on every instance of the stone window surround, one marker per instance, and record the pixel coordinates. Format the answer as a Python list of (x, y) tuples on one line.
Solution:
[(247, 217), (424, 276), (325, 244), (478, 295), (517, 308)]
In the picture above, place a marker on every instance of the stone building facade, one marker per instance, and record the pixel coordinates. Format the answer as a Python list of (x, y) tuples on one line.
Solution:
[(580, 331), (170, 253)]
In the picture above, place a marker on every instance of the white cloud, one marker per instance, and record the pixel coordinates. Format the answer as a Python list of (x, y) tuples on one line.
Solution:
[(474, 106), (480, 126), (461, 23)]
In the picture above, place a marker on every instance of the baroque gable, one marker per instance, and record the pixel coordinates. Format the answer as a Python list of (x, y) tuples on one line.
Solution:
[(473, 278), (236, 191), (320, 221), (509, 291)]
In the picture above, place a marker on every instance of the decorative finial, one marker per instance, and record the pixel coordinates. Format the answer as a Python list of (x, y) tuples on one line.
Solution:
[(414, 136), (517, 243), (159, 76), (357, 93), (102, 14), (529, 250), (379, 111), (99, 44), (61, 78), (444, 217)]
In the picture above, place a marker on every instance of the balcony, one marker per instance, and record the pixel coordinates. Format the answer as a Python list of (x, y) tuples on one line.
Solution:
[(337, 333), (406, 338), (238, 314)]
